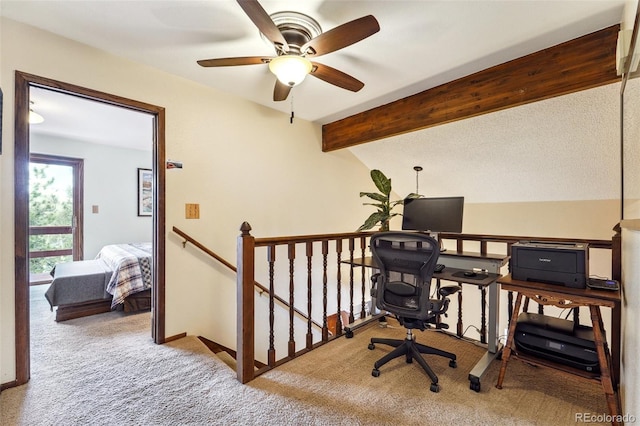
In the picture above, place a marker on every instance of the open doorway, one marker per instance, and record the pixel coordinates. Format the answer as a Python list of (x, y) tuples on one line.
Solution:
[(24, 83)]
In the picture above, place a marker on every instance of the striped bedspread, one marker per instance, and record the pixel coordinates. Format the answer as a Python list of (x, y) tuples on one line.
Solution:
[(131, 265)]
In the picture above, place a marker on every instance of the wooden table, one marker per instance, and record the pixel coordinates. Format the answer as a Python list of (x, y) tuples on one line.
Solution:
[(566, 297)]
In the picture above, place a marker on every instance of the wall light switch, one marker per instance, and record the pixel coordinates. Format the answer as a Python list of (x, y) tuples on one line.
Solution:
[(95, 209), (192, 211)]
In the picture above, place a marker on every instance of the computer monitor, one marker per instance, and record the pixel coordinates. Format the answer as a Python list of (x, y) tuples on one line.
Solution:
[(440, 214)]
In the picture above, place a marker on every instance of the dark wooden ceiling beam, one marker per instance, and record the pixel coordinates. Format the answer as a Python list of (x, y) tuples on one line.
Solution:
[(583, 63)]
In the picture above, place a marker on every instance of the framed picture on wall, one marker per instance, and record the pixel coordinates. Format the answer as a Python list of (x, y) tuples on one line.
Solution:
[(145, 192)]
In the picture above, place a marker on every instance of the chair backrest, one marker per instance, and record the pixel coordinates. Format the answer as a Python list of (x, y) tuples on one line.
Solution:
[(406, 261)]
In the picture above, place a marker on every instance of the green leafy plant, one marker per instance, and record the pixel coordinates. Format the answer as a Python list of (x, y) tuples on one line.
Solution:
[(383, 202)]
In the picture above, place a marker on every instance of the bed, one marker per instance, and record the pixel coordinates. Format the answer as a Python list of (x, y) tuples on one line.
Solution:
[(118, 278)]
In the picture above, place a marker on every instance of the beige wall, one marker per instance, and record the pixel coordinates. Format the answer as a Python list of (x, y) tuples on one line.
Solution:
[(239, 158)]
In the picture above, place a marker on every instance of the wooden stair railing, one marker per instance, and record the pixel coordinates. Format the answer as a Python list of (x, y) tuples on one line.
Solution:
[(357, 243), (263, 289)]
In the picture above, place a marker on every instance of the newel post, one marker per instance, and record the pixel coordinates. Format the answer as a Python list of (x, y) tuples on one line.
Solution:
[(245, 305)]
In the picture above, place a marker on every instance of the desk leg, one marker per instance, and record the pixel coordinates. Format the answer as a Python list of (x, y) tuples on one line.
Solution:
[(493, 348), (604, 360), (483, 310), (506, 352)]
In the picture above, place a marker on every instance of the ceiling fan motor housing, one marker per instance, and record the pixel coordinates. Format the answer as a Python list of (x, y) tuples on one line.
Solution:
[(297, 29)]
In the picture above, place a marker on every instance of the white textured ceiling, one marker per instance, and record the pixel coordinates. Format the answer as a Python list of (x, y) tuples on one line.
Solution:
[(421, 43)]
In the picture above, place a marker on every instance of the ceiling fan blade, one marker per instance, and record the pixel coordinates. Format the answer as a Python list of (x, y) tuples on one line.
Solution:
[(280, 91), (336, 77), (229, 62), (263, 21), (341, 36)]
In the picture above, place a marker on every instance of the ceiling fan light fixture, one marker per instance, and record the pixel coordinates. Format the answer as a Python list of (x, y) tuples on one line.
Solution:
[(290, 69)]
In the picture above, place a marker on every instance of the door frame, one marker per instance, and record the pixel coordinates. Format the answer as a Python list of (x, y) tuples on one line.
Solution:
[(23, 82)]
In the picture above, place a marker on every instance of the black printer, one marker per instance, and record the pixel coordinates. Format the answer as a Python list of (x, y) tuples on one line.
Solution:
[(558, 340), (554, 263)]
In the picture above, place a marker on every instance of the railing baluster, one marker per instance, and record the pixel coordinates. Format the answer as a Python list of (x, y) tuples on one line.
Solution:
[(339, 286), (352, 248), (309, 285), (363, 247), (460, 329), (271, 352), (325, 327), (292, 257)]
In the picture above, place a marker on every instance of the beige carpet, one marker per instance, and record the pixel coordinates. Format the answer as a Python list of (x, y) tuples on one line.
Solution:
[(104, 370)]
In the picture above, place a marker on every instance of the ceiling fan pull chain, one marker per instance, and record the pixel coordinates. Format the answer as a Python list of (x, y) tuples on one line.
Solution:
[(291, 118)]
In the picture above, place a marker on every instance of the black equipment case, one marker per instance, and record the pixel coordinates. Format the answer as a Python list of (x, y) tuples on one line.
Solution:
[(557, 340)]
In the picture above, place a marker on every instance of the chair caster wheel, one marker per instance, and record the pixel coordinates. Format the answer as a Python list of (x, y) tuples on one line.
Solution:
[(371, 346), (409, 360), (348, 333), (453, 363), (375, 372), (474, 385), (434, 387)]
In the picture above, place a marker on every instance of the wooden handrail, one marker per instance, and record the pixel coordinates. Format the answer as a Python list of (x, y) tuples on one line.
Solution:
[(261, 242), (220, 259), (593, 243), (603, 244), (204, 249)]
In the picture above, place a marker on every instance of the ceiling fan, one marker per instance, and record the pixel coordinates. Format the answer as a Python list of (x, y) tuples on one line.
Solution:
[(296, 38)]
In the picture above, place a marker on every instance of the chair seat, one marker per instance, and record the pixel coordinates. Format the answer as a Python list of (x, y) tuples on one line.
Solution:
[(401, 294)]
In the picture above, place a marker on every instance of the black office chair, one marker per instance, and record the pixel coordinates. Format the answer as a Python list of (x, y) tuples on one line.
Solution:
[(406, 262)]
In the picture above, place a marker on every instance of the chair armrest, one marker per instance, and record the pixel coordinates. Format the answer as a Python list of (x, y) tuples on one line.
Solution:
[(449, 290), (374, 283)]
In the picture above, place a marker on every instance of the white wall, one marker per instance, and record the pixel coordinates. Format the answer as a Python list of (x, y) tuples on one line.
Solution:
[(241, 162), (111, 183), (3, 231), (630, 383)]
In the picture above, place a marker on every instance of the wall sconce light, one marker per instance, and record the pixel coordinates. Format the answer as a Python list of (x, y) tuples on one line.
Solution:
[(34, 117)]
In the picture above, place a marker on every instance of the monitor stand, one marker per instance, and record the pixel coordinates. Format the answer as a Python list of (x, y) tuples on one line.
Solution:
[(435, 236)]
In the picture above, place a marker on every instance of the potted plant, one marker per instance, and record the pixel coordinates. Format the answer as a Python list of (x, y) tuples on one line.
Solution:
[(383, 202)]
